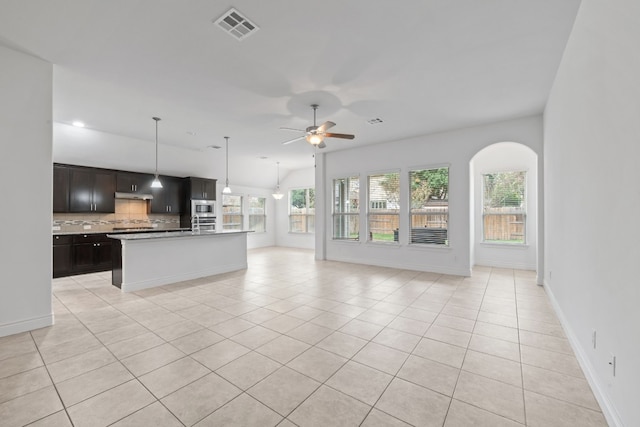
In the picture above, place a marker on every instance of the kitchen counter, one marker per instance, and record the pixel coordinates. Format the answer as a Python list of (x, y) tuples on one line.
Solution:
[(146, 260), (174, 234), (115, 231)]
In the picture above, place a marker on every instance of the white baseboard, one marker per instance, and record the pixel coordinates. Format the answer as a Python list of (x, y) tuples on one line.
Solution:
[(608, 408), (26, 325), (505, 264), (405, 266)]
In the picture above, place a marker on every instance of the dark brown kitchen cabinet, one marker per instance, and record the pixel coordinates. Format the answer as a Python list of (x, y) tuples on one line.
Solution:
[(60, 188), (62, 255), (131, 182), (91, 253), (91, 190), (168, 198), (202, 188)]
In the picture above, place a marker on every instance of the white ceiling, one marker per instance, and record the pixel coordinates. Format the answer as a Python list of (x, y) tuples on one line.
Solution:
[(421, 66)]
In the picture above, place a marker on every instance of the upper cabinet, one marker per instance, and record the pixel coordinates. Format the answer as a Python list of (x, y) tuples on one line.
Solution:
[(91, 190), (167, 199), (60, 188), (202, 189), (131, 182)]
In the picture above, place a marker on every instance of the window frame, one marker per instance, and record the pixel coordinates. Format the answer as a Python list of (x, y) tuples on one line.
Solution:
[(307, 216), (241, 214), (369, 233), (447, 240), (524, 211), (263, 215), (352, 215)]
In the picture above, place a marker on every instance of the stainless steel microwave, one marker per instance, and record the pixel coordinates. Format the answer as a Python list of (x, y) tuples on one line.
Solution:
[(203, 207)]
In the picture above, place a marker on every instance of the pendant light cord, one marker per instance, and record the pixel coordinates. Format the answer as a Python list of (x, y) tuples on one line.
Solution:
[(157, 119)]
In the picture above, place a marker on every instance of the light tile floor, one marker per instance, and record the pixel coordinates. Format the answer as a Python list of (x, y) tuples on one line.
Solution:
[(293, 341)]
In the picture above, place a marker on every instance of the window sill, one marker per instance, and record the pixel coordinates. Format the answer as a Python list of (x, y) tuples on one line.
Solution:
[(381, 244), (348, 241), (505, 245), (427, 247), (301, 233)]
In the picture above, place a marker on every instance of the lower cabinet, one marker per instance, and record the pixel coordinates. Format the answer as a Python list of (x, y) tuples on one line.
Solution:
[(62, 255), (80, 254)]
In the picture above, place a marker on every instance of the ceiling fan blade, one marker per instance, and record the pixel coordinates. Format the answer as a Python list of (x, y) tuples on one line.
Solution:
[(322, 145), (326, 125), (339, 135), (297, 130), (293, 140)]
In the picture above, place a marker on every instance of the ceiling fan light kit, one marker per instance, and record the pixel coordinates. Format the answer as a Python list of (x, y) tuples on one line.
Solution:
[(315, 134)]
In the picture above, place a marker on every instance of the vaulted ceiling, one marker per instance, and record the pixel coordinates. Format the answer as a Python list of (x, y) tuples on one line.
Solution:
[(420, 66)]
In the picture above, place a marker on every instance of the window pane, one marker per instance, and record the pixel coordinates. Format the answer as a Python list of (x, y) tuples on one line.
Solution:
[(302, 210), (504, 207), (257, 216), (231, 212), (384, 207), (346, 201), (429, 206)]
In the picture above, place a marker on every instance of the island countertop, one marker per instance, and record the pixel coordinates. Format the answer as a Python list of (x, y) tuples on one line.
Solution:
[(173, 234)]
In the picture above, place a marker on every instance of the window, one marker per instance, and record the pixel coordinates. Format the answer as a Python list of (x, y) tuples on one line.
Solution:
[(384, 207), (429, 191), (231, 212), (302, 209), (257, 214), (346, 208), (504, 208)]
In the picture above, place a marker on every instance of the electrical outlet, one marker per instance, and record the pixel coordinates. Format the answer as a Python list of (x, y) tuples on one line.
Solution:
[(593, 338), (612, 363), (86, 227)]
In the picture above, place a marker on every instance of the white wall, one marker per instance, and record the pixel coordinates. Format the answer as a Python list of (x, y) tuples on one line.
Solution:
[(25, 185), (591, 155), (300, 178), (503, 157), (254, 240), (454, 148)]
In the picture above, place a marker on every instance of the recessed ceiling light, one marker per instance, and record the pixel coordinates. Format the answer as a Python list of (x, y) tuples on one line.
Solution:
[(78, 124), (192, 133), (374, 121), (263, 157)]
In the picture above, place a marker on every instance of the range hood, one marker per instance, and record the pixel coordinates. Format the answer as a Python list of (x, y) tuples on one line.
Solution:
[(133, 196)]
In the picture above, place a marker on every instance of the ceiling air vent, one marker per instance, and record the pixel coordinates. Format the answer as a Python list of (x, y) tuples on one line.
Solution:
[(234, 23), (374, 121)]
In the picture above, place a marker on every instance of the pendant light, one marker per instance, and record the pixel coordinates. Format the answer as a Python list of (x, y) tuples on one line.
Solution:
[(226, 189), (156, 182), (277, 194)]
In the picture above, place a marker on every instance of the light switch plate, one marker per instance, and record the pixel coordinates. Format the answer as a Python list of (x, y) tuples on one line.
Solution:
[(86, 227), (55, 228)]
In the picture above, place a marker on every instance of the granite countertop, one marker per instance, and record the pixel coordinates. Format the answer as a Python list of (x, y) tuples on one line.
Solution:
[(126, 231), (171, 234)]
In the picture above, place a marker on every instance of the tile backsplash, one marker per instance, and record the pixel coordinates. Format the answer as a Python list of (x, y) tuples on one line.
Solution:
[(129, 213)]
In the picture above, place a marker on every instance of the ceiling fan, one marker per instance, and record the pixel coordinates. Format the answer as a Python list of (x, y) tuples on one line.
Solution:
[(315, 135)]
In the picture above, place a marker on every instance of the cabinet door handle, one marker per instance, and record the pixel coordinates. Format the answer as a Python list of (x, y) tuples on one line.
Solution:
[(97, 244), (135, 187)]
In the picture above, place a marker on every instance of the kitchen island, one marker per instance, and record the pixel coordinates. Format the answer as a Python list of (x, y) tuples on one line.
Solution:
[(142, 261)]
